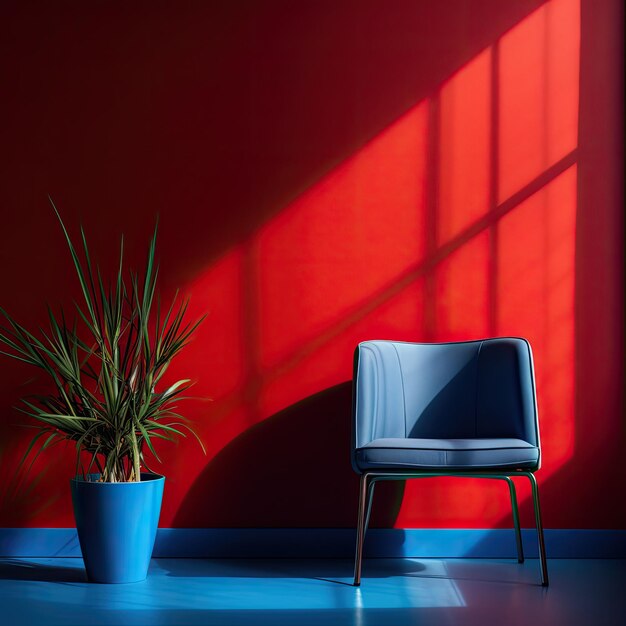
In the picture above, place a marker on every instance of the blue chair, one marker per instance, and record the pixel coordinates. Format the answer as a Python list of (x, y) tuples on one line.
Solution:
[(449, 409)]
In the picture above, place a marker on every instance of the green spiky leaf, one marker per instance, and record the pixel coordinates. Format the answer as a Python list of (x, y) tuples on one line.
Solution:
[(105, 367)]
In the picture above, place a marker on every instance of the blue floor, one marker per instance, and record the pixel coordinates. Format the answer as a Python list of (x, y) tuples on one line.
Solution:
[(432, 592)]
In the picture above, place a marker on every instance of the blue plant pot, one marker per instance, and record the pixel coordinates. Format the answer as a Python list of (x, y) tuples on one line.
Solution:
[(117, 525)]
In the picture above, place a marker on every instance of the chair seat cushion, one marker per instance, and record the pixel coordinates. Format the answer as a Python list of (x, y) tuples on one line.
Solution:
[(446, 454)]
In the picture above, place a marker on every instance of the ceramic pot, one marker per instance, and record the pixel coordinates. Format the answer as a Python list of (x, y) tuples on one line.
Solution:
[(117, 525)]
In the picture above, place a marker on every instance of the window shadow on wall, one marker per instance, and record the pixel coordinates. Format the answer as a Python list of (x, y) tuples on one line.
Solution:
[(455, 222)]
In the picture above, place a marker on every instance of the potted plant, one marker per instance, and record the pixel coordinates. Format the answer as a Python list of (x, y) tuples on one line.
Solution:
[(106, 370)]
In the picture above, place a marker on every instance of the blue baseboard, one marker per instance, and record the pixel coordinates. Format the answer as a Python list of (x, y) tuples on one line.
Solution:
[(330, 543)]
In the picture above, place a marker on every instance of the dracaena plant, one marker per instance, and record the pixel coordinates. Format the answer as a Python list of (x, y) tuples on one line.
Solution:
[(106, 369)]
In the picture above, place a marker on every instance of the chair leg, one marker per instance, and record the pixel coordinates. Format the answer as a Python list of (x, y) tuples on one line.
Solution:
[(366, 489), (542, 545), (518, 532), (370, 499)]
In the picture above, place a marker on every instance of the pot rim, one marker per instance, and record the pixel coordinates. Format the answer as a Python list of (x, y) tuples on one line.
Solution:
[(146, 477)]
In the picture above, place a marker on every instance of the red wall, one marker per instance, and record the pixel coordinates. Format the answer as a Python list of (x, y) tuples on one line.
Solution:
[(326, 172)]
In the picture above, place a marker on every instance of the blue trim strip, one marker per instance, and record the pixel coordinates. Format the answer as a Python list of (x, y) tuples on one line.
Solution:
[(331, 543)]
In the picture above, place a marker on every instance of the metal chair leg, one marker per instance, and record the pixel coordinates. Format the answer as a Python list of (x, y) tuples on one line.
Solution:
[(542, 545), (518, 532), (365, 506), (370, 499)]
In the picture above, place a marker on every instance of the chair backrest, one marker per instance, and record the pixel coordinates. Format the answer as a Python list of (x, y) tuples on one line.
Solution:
[(463, 390)]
